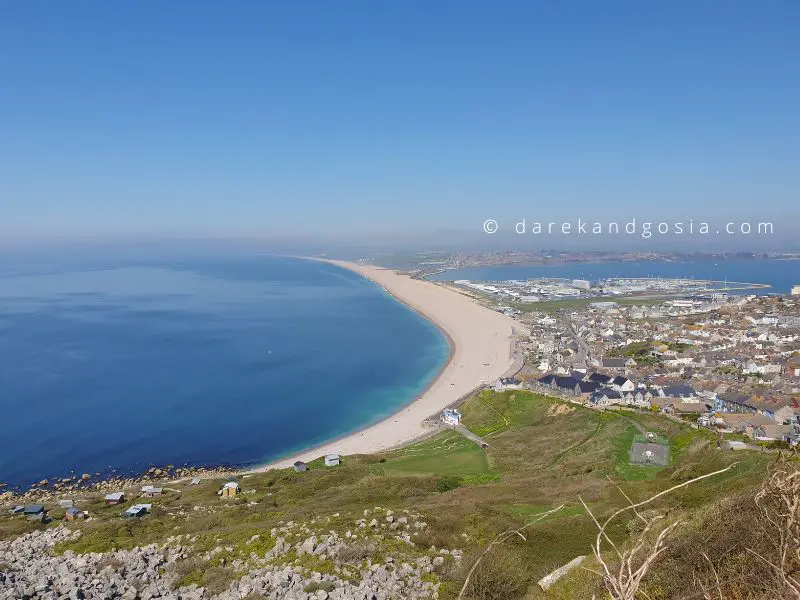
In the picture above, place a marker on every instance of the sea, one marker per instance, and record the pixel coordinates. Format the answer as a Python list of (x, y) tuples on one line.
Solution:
[(779, 274), (111, 368)]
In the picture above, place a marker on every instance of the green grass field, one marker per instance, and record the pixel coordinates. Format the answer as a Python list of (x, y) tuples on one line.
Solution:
[(542, 453), (446, 454)]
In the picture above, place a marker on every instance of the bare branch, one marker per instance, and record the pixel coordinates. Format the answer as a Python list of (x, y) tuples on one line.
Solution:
[(499, 539)]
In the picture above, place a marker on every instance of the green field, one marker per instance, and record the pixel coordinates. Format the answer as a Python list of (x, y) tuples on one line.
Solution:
[(448, 454), (542, 453)]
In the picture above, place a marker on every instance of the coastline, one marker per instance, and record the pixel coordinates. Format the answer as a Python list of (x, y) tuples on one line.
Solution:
[(481, 351)]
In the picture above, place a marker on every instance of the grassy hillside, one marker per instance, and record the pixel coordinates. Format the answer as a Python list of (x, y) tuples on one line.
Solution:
[(542, 453)]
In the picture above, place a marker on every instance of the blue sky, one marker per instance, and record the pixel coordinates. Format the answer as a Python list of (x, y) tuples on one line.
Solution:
[(307, 118)]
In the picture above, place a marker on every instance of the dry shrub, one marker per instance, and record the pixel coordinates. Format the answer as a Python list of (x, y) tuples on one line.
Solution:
[(443, 531), (744, 547), (189, 569), (624, 567), (218, 579), (502, 575), (355, 553), (778, 502)]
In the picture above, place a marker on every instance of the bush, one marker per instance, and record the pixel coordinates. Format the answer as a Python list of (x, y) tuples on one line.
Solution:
[(501, 575), (325, 586), (355, 553), (447, 483), (218, 579)]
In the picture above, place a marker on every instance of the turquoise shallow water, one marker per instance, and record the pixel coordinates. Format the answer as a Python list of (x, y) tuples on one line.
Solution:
[(229, 361)]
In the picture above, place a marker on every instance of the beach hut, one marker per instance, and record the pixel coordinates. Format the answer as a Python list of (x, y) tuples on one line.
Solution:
[(34, 512), (74, 513), (332, 460), (115, 498), (137, 511), (229, 490), (300, 466), (65, 503), (451, 416), (151, 491)]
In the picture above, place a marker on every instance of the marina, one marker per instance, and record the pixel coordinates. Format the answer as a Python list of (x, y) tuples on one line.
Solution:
[(556, 288)]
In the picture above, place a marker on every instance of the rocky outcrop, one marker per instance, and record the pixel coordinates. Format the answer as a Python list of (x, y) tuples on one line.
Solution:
[(304, 562)]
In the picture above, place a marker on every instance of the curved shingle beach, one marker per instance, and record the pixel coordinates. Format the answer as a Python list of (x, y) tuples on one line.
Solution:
[(481, 352)]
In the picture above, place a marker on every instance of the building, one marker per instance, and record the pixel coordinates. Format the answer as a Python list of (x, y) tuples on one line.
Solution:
[(151, 491), (604, 305), (796, 290), (605, 397), (450, 416), (115, 498), (137, 511), (581, 284), (507, 383), (65, 503), (33, 509), (229, 490), (74, 513), (332, 460), (300, 466)]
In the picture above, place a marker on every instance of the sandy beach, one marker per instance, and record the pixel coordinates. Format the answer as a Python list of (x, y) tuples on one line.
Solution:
[(481, 351)]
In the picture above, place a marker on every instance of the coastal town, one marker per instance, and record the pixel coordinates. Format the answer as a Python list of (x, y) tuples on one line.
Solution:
[(728, 363), (725, 366)]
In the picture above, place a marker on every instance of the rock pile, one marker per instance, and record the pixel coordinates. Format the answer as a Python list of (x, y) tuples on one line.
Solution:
[(305, 561)]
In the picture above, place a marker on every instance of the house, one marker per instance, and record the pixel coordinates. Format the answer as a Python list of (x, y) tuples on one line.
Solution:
[(229, 490), (734, 402), (642, 397), (507, 383), (687, 408), (771, 431), (15, 510), (742, 422), (679, 391), (585, 388), (601, 378), (33, 509), (622, 384), (618, 364), (151, 491), (704, 421), (565, 384), (74, 513), (332, 460), (65, 503), (195, 481), (547, 380), (115, 498), (137, 511), (605, 397), (300, 466), (450, 416)]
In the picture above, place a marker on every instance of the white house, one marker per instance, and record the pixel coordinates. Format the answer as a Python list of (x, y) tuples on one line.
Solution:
[(507, 383), (451, 416), (149, 490), (332, 460)]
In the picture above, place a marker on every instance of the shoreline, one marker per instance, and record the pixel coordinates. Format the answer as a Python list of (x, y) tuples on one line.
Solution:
[(481, 351)]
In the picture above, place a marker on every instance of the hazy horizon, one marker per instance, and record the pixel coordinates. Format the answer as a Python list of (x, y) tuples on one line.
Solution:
[(397, 126)]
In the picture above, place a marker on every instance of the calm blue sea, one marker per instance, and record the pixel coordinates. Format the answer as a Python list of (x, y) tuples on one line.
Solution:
[(231, 361), (780, 274)]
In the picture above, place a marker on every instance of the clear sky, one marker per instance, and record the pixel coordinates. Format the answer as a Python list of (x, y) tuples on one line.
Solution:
[(262, 118)]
